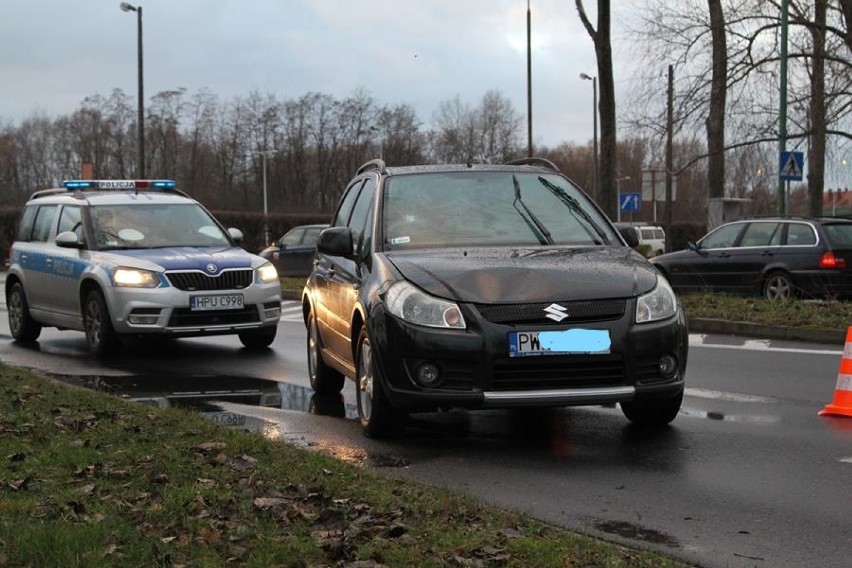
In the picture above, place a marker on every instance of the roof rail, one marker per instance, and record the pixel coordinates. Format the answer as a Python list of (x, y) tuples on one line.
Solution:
[(52, 191), (378, 164), (533, 162)]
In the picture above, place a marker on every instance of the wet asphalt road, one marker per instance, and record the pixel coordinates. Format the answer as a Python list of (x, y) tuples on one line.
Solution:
[(748, 475)]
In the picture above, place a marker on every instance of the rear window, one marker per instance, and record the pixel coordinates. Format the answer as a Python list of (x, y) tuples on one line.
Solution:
[(840, 235)]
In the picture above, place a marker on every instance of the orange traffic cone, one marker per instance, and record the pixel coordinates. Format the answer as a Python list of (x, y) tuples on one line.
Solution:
[(842, 404)]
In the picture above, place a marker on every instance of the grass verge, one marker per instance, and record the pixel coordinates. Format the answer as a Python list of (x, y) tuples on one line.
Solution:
[(90, 480), (792, 313)]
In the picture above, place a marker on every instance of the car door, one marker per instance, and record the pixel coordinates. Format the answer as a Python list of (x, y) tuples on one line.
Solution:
[(324, 275), (346, 280), (706, 268), (62, 295), (756, 247), (36, 258)]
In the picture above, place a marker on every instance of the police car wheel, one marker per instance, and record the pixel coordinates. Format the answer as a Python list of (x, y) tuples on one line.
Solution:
[(258, 338), (23, 327), (100, 334)]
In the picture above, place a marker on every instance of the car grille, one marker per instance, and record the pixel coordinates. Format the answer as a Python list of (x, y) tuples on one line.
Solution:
[(596, 310), (184, 317), (533, 373), (196, 280)]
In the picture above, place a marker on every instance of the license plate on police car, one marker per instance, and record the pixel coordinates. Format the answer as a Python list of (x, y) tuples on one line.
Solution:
[(216, 302), (565, 342)]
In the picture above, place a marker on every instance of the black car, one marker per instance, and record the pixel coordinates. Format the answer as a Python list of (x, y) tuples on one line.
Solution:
[(293, 254), (777, 257), (487, 286)]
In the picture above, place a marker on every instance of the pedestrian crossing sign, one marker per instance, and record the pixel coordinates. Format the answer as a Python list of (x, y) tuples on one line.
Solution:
[(791, 165)]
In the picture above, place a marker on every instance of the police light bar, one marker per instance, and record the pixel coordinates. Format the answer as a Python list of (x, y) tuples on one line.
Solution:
[(77, 184)]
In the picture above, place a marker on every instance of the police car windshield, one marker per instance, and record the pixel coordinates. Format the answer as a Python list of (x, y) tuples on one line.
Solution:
[(154, 226)]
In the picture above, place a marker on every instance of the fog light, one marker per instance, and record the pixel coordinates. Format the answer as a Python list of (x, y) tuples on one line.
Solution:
[(428, 374), (668, 366), (144, 316)]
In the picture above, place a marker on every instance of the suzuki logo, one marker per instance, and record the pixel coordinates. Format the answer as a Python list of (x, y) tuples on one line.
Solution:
[(211, 268), (556, 312)]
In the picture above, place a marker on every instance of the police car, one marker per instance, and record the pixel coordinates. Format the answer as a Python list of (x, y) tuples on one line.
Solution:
[(120, 258)]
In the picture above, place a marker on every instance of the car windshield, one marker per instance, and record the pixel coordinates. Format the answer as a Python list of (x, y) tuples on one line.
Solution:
[(489, 209), (154, 226)]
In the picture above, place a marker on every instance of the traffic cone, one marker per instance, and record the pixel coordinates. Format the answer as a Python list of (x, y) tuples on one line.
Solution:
[(842, 404)]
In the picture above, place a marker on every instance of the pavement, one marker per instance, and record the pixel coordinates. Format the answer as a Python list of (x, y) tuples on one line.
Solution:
[(696, 325)]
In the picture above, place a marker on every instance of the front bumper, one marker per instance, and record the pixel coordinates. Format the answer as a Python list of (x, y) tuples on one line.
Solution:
[(477, 371)]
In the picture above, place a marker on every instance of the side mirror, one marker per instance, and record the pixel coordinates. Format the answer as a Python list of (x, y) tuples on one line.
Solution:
[(68, 239), (236, 234), (336, 241), (629, 235)]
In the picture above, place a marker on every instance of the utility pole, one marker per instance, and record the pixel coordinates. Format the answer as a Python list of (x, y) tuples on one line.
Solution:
[(669, 149), (529, 83)]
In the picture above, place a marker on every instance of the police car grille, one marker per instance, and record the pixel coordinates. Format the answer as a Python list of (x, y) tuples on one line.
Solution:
[(184, 317), (196, 280), (538, 373), (595, 310)]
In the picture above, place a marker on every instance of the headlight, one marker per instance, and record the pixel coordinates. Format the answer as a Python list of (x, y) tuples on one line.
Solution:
[(415, 306), (660, 303), (135, 278), (267, 273)]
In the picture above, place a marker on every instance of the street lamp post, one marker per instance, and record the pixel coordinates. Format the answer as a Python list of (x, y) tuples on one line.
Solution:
[(141, 118), (264, 154), (594, 81)]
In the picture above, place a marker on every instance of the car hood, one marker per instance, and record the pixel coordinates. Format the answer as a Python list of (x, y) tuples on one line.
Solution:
[(210, 260), (500, 275)]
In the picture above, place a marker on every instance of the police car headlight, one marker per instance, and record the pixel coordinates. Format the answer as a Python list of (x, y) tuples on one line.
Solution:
[(660, 303), (135, 278), (267, 273), (415, 306)]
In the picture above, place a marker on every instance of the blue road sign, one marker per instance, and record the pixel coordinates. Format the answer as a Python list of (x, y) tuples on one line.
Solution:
[(791, 165), (629, 202)]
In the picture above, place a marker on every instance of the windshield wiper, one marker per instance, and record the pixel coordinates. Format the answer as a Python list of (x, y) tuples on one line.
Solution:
[(574, 205), (541, 232)]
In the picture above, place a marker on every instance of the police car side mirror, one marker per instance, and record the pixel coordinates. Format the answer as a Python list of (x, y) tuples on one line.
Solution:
[(236, 234), (68, 239)]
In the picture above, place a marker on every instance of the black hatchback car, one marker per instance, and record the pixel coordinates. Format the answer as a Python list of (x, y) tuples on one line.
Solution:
[(776, 257), (487, 286)]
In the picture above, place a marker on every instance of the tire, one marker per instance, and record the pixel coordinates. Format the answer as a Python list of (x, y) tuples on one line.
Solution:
[(100, 334), (324, 379), (778, 286), (23, 327), (378, 418), (652, 413), (258, 338)]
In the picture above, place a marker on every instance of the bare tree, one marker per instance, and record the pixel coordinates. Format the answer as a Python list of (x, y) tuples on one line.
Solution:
[(718, 93), (606, 102)]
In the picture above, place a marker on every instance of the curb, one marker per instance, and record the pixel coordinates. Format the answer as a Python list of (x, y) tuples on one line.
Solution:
[(747, 329)]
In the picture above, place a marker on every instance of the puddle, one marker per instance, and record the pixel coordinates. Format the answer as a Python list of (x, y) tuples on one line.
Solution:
[(636, 532), (202, 392)]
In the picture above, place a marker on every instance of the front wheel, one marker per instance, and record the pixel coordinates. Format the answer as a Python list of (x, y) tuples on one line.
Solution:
[(778, 286), (23, 327), (100, 334), (652, 413), (258, 338), (378, 418)]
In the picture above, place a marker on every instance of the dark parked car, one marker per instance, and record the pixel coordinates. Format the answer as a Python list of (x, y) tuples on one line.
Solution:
[(293, 254), (487, 286), (776, 257)]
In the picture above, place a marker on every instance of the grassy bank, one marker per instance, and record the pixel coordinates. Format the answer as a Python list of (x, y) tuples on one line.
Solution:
[(90, 480)]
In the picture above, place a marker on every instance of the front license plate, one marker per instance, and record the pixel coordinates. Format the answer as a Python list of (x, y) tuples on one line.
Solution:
[(566, 342), (216, 302)]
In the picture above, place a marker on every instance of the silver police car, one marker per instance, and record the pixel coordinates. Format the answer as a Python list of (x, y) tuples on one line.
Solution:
[(120, 258)]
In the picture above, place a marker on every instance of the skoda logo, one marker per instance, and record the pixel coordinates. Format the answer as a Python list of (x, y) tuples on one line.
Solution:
[(556, 312), (212, 268)]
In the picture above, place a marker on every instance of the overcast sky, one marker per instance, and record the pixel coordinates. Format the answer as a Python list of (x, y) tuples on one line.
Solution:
[(54, 53)]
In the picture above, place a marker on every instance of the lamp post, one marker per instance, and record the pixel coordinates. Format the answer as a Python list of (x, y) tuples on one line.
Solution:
[(264, 154), (529, 83), (594, 81), (141, 118), (618, 196)]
